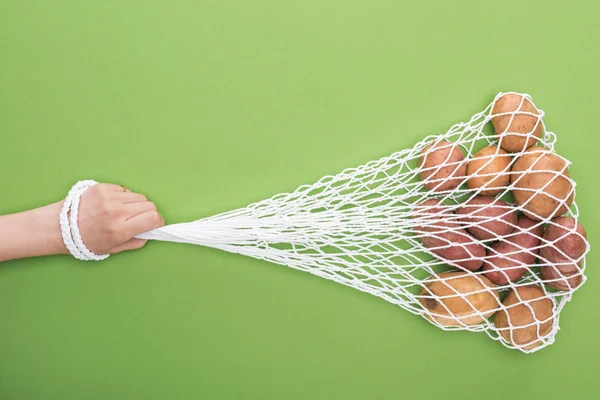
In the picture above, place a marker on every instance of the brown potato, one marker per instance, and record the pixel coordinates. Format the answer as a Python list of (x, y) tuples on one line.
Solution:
[(567, 246), (487, 218), (453, 309), (541, 170), (489, 171), (524, 129), (442, 166), (508, 260), (514, 322), (439, 231)]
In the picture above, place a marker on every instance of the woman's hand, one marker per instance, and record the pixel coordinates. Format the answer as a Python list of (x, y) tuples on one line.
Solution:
[(109, 218)]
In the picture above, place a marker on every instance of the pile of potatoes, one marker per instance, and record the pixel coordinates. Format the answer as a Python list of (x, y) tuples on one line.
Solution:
[(500, 240)]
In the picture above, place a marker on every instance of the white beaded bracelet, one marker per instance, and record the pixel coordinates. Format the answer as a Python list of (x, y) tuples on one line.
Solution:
[(69, 227)]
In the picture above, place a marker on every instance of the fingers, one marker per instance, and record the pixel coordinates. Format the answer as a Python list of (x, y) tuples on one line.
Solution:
[(113, 188), (131, 244), (143, 222), (111, 217), (129, 197), (133, 209), (122, 194)]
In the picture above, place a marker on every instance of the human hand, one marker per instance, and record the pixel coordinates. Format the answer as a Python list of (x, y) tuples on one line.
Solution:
[(110, 217)]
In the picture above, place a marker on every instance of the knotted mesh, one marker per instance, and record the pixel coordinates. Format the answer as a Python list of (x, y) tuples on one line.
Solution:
[(457, 229)]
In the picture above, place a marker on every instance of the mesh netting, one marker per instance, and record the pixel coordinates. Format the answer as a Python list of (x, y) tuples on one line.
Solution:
[(475, 229)]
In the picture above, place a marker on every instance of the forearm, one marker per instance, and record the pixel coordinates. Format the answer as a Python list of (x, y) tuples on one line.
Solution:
[(31, 233)]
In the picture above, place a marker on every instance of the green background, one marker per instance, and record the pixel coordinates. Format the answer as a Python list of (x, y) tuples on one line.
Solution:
[(206, 106)]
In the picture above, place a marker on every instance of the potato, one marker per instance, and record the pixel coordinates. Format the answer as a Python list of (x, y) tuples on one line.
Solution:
[(562, 277), (567, 246), (457, 310), (442, 166), (512, 322), (439, 231), (524, 129), (487, 218), (489, 171), (541, 170), (508, 260)]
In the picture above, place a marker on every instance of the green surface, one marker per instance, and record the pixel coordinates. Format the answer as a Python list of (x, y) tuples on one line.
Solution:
[(206, 106)]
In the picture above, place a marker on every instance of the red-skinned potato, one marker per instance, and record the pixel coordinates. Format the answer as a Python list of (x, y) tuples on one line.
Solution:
[(487, 218), (443, 166), (439, 231), (508, 260), (567, 245)]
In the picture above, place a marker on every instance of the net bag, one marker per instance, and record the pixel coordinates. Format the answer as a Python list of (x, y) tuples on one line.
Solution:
[(474, 229)]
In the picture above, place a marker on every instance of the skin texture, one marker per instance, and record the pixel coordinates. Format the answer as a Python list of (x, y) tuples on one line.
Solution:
[(488, 171), (445, 238), (507, 261), (109, 218), (565, 252), (524, 130), (458, 311), (480, 213), (518, 315), (527, 176), (443, 165)]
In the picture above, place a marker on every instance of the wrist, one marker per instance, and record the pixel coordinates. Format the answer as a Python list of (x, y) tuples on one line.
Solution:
[(50, 238)]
